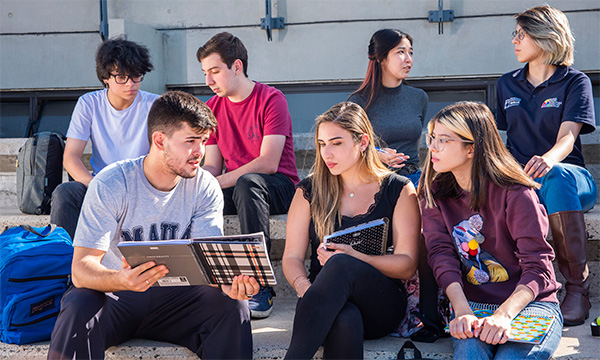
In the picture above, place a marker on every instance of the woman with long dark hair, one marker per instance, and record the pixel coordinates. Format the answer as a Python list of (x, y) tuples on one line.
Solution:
[(544, 107), (396, 110), (348, 296), (485, 231)]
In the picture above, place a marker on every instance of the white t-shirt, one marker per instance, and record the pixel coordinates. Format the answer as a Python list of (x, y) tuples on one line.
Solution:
[(121, 205), (115, 134)]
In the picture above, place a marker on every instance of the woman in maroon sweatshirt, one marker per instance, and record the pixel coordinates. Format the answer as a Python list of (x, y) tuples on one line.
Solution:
[(485, 232)]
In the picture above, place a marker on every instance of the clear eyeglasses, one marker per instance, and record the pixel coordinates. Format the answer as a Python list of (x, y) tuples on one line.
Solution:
[(439, 144), (519, 34)]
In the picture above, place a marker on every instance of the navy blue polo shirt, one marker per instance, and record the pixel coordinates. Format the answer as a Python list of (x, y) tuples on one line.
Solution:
[(532, 116)]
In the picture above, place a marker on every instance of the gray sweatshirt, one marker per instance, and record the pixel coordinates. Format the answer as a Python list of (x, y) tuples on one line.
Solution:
[(121, 205)]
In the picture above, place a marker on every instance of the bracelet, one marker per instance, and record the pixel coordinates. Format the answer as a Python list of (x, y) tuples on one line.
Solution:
[(301, 280), (296, 279), (305, 279)]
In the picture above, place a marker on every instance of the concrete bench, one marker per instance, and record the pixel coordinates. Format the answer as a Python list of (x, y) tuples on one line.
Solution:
[(272, 335)]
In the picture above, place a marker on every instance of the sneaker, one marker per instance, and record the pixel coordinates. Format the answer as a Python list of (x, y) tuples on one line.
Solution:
[(261, 304)]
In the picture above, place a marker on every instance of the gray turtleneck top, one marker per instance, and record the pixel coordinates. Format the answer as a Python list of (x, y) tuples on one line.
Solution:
[(398, 117)]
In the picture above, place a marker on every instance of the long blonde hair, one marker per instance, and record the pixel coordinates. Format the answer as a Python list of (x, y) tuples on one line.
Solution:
[(491, 160), (326, 187)]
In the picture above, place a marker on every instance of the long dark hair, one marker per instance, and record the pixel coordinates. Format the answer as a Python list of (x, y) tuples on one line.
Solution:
[(380, 45)]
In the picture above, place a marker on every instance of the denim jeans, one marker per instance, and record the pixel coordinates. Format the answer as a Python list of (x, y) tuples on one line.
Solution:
[(414, 177), (256, 196), (567, 187), (411, 171), (474, 348), (67, 199)]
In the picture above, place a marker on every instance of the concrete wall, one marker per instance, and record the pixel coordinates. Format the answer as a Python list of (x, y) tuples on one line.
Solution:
[(51, 44), (48, 44)]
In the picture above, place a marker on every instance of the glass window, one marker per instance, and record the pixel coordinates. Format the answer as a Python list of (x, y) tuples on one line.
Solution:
[(305, 107), (440, 99), (14, 117), (56, 116)]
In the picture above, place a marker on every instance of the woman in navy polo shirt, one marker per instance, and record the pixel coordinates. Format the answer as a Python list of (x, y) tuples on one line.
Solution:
[(544, 107)]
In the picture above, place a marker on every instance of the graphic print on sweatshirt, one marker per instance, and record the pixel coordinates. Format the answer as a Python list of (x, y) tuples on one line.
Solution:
[(163, 231), (479, 266)]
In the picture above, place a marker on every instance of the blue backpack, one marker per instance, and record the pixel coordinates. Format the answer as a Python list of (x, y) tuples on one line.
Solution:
[(35, 271)]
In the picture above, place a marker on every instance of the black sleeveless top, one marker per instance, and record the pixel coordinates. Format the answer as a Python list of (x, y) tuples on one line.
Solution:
[(383, 206)]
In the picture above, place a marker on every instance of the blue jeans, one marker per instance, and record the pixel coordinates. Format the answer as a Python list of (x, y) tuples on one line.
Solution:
[(474, 348), (567, 187), (414, 177)]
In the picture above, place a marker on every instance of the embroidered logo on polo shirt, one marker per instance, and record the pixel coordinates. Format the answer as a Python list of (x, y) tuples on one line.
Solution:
[(553, 102), (510, 102)]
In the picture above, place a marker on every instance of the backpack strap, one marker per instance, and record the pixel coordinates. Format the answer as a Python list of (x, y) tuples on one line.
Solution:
[(32, 230)]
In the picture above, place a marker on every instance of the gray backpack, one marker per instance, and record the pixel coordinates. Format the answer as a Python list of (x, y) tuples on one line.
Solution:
[(39, 171)]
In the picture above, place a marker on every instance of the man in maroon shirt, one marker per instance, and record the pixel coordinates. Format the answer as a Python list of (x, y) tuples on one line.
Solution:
[(253, 139)]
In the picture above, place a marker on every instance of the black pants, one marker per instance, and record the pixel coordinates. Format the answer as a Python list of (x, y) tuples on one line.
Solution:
[(256, 196), (201, 318), (348, 302), (67, 199)]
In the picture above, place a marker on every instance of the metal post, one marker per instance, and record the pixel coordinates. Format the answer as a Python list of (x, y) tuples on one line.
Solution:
[(269, 23), (103, 20), (440, 16)]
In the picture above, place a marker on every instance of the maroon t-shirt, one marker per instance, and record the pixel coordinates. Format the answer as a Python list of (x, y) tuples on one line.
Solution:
[(241, 127), (510, 232)]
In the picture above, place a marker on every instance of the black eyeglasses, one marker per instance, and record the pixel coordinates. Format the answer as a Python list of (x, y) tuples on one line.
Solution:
[(519, 34), (123, 79)]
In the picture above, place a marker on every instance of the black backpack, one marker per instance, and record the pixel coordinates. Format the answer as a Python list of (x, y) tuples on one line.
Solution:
[(39, 171)]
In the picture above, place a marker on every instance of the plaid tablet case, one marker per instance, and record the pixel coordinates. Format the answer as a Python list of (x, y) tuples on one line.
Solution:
[(228, 259), (369, 238)]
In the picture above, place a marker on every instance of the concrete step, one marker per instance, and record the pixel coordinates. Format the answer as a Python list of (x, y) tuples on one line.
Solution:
[(271, 337)]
